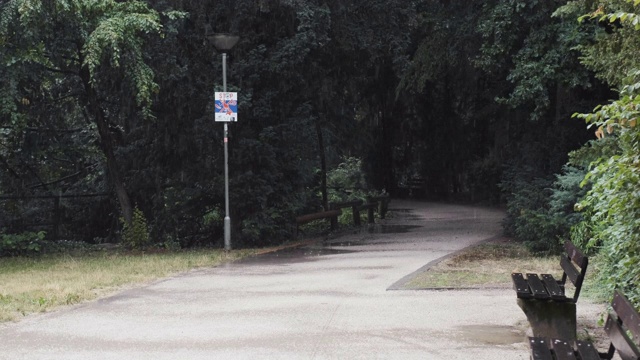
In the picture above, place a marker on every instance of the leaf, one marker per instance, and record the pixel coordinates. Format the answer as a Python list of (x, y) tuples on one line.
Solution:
[(632, 123)]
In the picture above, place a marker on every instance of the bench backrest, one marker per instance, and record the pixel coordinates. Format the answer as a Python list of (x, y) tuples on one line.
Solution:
[(345, 204), (574, 264), (623, 328)]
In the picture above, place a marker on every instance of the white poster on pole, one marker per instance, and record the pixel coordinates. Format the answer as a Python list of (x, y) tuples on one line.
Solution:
[(226, 107)]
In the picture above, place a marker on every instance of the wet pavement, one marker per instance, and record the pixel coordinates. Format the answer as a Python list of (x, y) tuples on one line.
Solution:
[(329, 300)]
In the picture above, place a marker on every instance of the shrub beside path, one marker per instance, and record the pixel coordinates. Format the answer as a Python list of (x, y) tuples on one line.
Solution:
[(321, 301)]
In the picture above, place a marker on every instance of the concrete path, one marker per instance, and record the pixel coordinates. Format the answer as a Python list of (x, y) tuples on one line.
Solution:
[(318, 302)]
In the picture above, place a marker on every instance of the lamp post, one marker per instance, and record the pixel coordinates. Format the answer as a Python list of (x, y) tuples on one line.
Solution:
[(224, 43)]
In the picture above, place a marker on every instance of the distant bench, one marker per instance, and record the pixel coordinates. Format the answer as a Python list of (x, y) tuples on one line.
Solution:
[(379, 203), (551, 313), (413, 187), (331, 214), (622, 327), (382, 203)]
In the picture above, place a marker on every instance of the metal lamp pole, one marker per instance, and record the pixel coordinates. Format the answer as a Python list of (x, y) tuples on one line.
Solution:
[(227, 218), (224, 43)]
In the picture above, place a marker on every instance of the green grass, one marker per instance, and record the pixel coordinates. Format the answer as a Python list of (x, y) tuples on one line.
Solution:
[(40, 284), (486, 265)]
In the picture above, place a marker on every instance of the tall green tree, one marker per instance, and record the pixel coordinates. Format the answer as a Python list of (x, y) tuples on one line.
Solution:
[(95, 52)]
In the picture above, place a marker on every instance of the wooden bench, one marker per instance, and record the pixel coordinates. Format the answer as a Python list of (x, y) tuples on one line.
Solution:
[(380, 203), (551, 313), (355, 209), (303, 219), (383, 203), (622, 327), (370, 207)]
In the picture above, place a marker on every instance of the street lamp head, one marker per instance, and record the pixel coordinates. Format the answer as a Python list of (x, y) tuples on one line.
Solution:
[(223, 42)]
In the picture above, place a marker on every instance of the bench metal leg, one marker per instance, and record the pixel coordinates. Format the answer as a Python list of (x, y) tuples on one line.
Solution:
[(549, 319)]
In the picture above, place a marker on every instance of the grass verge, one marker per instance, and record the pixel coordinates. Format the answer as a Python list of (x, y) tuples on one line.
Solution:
[(490, 264), (32, 285)]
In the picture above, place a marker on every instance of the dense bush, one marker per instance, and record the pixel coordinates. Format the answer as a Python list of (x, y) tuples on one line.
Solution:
[(135, 235), (26, 243), (347, 181), (613, 203), (540, 212)]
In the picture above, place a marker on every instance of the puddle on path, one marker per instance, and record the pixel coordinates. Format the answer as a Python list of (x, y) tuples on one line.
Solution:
[(390, 229), (292, 255), (374, 229), (491, 334)]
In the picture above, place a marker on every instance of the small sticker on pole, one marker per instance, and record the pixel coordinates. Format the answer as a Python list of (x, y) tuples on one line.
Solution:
[(226, 107)]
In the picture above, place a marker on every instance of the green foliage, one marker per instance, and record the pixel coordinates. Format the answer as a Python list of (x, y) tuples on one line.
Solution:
[(541, 212), (135, 235), (341, 64), (612, 206), (346, 182), (26, 243), (348, 175), (111, 34), (541, 51), (484, 179), (527, 211)]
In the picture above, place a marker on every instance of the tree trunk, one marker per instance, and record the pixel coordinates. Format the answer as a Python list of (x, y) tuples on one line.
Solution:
[(106, 141), (323, 167)]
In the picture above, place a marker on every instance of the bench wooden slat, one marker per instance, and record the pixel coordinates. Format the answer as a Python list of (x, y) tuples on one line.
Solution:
[(572, 273), (369, 205), (627, 314), (574, 265), (537, 287), (539, 349), (552, 287), (563, 350), (355, 209), (587, 351), (575, 254), (616, 324), (570, 269), (521, 286), (317, 216), (624, 347), (345, 204)]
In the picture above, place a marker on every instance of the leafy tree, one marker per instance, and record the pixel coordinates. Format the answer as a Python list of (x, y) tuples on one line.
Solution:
[(94, 53)]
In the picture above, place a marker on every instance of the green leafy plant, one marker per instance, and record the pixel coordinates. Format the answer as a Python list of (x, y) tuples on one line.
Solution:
[(26, 243), (347, 175), (613, 203), (135, 235)]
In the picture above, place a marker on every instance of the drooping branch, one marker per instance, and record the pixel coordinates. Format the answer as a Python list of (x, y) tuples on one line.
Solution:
[(9, 168), (55, 130), (57, 181), (59, 71)]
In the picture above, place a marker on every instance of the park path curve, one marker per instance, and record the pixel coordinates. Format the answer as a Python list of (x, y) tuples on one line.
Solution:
[(323, 301)]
